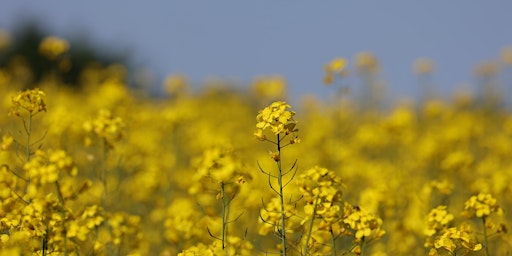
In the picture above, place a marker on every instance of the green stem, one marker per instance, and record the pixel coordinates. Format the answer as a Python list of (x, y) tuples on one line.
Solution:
[(281, 196), (333, 242), (362, 246), (103, 171), (63, 216), (28, 130), (310, 230), (224, 217), (485, 237)]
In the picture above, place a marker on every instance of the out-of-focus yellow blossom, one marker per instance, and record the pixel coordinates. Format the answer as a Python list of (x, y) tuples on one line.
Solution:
[(506, 55), (333, 68), (276, 118), (270, 217), (30, 100), (234, 246), (176, 84), (423, 66), (364, 224), (319, 182), (366, 62), (482, 205), (106, 126), (269, 87), (487, 69), (53, 47), (437, 220), (6, 142), (45, 167)]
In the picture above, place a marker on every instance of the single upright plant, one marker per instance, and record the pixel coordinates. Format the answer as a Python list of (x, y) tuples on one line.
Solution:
[(279, 120)]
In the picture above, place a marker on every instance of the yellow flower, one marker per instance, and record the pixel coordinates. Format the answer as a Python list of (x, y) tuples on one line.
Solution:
[(277, 118), (273, 87), (176, 84), (437, 219), (30, 100), (6, 142), (482, 205), (336, 66), (52, 47)]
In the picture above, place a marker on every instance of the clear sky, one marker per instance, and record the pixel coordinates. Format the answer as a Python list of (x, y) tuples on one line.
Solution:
[(239, 40)]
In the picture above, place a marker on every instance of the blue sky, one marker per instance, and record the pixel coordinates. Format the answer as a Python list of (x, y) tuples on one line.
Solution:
[(239, 40)]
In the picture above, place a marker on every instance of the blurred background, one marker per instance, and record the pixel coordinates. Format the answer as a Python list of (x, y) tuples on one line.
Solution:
[(455, 44)]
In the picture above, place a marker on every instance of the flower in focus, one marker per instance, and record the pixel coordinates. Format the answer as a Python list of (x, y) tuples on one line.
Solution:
[(30, 100), (453, 239), (53, 47), (277, 118)]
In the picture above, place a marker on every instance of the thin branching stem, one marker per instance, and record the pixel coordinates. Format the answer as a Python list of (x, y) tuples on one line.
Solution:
[(333, 242), (486, 245), (281, 197), (310, 229)]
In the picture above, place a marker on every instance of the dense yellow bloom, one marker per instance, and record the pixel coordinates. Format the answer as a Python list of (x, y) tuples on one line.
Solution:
[(270, 217), (45, 167), (364, 224), (106, 126), (482, 205), (437, 219), (277, 118), (52, 47), (453, 239), (30, 100)]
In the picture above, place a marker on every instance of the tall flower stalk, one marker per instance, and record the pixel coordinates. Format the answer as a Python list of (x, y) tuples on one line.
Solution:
[(26, 105), (279, 120)]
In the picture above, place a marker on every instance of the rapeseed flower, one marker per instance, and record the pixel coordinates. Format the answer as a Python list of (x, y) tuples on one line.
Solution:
[(276, 118), (31, 101), (53, 47)]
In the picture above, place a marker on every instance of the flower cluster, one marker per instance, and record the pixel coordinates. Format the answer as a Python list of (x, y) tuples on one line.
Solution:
[(322, 193), (365, 225), (453, 239), (52, 47), (482, 205), (106, 126), (437, 220), (276, 118), (46, 166), (270, 217), (235, 246), (31, 101)]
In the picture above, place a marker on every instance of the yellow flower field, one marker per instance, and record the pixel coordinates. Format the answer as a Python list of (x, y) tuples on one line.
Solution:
[(223, 171)]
